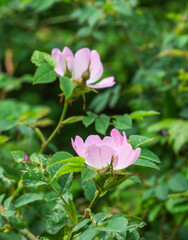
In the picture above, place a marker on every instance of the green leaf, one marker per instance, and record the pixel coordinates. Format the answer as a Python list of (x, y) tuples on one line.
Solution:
[(116, 225), (81, 225), (123, 8), (161, 192), (9, 207), (73, 119), (6, 124), (88, 173), (149, 155), (75, 160), (18, 156), (89, 234), (154, 212), (101, 124), (27, 198), (65, 182), (53, 168), (145, 163), (89, 189), (68, 168), (156, 127), (178, 183), (33, 179), (134, 235), (137, 140), (38, 158), (123, 122), (53, 226), (178, 205), (67, 86), (95, 16), (100, 101), (139, 115), (4, 139), (74, 212), (44, 74), (178, 134), (1, 198), (41, 5), (89, 119), (39, 58)]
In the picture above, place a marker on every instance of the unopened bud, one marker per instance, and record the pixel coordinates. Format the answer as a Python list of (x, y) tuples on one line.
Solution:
[(26, 158), (86, 75), (67, 72)]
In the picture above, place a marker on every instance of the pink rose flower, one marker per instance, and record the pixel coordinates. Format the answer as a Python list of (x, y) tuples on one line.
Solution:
[(84, 66), (98, 153)]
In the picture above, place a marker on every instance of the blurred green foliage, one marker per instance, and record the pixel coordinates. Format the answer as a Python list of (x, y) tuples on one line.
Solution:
[(143, 43)]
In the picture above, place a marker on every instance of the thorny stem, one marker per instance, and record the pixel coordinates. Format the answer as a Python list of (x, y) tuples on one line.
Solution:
[(45, 144)]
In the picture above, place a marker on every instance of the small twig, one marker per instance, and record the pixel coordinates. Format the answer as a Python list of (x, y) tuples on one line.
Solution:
[(163, 220), (45, 144), (177, 227), (134, 48)]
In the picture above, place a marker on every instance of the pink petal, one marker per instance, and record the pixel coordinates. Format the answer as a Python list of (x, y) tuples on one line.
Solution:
[(78, 145), (108, 141), (125, 157), (60, 62), (93, 139), (98, 156), (117, 138), (68, 55), (104, 83), (81, 62), (136, 155), (96, 67)]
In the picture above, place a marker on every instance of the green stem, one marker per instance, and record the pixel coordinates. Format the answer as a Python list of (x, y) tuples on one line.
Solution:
[(59, 195), (97, 195), (18, 189), (63, 201), (26, 233), (57, 127)]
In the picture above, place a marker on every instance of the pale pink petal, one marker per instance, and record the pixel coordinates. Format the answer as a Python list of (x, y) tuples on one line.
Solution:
[(93, 139), (108, 141), (124, 157), (68, 57), (60, 62), (96, 67), (115, 162), (117, 138), (136, 155), (78, 145), (124, 136), (81, 62), (104, 83), (98, 156)]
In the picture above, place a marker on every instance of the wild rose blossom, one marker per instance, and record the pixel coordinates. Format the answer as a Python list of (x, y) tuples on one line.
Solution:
[(84, 66), (98, 153)]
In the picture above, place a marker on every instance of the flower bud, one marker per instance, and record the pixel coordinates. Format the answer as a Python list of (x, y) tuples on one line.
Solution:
[(26, 158), (86, 75)]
